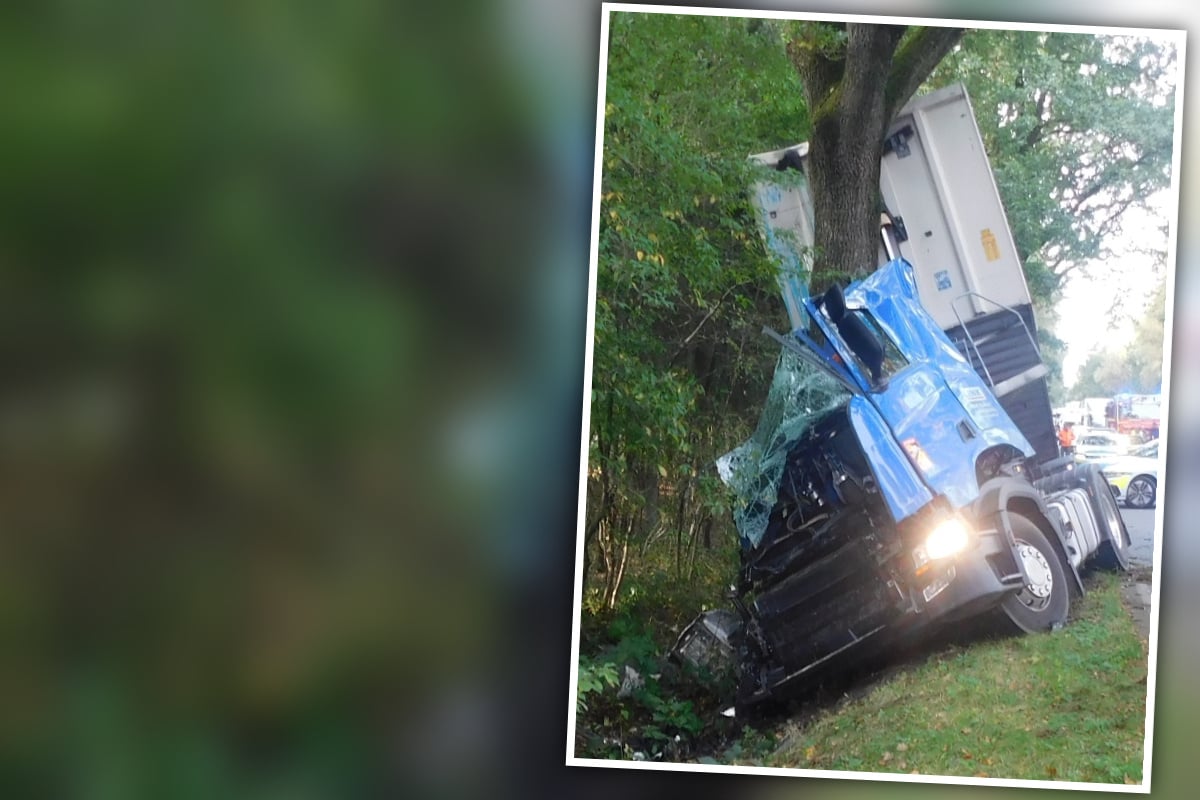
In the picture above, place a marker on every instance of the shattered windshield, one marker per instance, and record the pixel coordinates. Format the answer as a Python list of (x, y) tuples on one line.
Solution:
[(800, 394)]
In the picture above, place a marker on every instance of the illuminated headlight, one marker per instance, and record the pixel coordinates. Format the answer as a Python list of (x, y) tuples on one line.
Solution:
[(949, 537)]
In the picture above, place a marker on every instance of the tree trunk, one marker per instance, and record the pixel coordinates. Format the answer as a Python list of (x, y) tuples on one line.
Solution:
[(590, 535), (613, 587), (855, 80)]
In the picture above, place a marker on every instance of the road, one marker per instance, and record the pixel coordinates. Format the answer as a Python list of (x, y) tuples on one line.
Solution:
[(1140, 522)]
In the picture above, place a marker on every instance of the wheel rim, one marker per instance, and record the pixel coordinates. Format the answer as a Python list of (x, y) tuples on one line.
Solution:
[(1139, 492), (1036, 593)]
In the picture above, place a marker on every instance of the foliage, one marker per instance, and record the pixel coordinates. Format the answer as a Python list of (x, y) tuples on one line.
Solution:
[(683, 284), (633, 642), (1146, 351), (662, 711), (594, 677)]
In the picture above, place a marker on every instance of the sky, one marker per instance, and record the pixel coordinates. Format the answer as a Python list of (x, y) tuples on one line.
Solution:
[(1090, 316)]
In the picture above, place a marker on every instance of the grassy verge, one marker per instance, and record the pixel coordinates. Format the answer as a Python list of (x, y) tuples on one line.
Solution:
[(1069, 705)]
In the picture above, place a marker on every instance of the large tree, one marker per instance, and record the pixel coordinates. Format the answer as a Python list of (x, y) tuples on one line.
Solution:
[(683, 283), (855, 78)]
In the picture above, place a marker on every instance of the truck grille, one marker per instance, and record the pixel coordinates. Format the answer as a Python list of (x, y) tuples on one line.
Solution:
[(824, 607)]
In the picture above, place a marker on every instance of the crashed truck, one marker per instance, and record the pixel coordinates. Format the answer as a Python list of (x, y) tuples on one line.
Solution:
[(904, 473)]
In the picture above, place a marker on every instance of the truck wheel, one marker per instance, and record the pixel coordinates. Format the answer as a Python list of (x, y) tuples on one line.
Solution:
[(1140, 492), (1043, 602), (1114, 545)]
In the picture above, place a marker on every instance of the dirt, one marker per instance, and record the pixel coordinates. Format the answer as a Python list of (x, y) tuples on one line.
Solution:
[(1135, 591)]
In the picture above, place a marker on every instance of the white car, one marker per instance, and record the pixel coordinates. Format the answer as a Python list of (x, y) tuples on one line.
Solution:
[(1097, 444), (1134, 477)]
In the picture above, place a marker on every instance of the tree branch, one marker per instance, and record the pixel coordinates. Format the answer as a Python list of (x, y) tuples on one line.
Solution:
[(914, 60), (1106, 180), (688, 339), (1039, 127), (819, 65)]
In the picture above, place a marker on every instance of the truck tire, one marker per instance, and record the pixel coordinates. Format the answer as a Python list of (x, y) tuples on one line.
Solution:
[(1043, 603), (1114, 536)]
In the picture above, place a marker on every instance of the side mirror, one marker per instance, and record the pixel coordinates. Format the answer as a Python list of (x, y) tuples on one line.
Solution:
[(854, 332), (835, 303)]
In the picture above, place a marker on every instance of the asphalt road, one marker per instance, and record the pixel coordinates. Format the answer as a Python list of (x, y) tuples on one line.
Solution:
[(1140, 522)]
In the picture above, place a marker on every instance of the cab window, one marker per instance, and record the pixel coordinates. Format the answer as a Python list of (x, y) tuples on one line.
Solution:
[(893, 359)]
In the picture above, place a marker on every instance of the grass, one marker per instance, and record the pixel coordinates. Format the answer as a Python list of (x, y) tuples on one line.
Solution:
[(1068, 706)]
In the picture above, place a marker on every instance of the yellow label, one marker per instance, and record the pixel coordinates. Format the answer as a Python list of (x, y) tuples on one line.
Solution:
[(991, 250)]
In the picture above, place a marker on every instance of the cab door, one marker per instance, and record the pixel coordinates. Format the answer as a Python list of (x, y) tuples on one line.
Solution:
[(852, 343)]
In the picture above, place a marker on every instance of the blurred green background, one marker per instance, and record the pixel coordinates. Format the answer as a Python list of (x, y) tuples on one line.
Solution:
[(261, 266), (292, 323)]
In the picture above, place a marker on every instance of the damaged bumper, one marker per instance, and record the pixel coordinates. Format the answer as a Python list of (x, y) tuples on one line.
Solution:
[(707, 643), (841, 609)]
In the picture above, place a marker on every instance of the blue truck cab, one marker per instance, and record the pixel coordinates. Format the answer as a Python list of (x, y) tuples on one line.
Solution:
[(886, 490)]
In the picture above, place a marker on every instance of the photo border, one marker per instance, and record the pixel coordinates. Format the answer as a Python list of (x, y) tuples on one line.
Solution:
[(1176, 37)]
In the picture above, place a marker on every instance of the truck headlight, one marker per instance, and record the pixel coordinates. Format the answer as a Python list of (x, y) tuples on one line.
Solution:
[(949, 537)]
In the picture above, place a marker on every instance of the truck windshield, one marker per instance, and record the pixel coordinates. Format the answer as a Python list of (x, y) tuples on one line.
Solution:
[(800, 395)]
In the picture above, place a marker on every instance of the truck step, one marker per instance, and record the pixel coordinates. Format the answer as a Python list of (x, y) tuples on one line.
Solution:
[(1017, 381)]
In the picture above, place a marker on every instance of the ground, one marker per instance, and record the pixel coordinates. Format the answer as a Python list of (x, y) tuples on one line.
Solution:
[(1136, 589), (1140, 522)]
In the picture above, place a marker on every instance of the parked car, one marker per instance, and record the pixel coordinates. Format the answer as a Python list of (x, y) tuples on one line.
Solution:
[(1134, 477), (1092, 444)]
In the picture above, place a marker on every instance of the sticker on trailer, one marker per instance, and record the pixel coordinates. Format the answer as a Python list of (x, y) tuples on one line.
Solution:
[(942, 280), (991, 249)]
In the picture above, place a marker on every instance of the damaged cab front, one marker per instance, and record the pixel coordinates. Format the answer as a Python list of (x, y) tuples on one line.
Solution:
[(854, 497)]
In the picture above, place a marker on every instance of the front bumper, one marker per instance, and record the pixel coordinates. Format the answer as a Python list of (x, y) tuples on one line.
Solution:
[(982, 576), (954, 588)]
